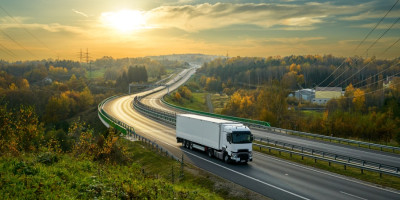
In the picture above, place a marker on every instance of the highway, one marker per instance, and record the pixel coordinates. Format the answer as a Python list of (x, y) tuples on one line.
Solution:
[(269, 176), (336, 148)]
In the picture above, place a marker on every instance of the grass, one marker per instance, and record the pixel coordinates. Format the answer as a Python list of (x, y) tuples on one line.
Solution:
[(95, 73), (353, 144), (198, 101), (219, 102), (147, 176), (372, 177)]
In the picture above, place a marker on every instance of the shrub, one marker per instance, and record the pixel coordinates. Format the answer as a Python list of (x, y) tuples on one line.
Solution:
[(47, 158)]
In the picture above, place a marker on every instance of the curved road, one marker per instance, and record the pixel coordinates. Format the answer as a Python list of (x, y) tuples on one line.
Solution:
[(269, 176)]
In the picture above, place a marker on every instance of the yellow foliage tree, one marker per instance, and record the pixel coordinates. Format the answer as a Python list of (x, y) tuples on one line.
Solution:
[(359, 100), (13, 86)]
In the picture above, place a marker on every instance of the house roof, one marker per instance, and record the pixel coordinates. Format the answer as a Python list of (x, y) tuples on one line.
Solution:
[(336, 89)]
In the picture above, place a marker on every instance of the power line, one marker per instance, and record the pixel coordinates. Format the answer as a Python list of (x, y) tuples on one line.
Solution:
[(12, 39), (338, 76), (26, 30), (376, 74), (365, 39), (384, 33), (369, 92), (377, 24), (356, 72), (381, 80), (391, 46), (331, 74), (8, 51)]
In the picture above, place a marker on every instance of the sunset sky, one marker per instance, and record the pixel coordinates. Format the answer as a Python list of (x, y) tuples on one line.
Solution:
[(42, 29)]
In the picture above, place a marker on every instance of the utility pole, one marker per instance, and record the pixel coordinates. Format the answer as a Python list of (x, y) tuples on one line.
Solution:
[(80, 56), (87, 62), (87, 56)]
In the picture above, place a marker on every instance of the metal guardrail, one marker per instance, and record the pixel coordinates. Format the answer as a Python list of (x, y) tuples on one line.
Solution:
[(339, 140), (329, 155), (344, 163), (287, 131), (231, 118), (168, 117), (130, 131), (295, 149)]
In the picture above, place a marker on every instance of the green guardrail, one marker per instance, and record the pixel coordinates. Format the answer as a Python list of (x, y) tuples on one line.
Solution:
[(118, 125), (248, 121)]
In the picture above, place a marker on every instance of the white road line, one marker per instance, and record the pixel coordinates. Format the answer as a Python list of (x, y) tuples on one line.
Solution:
[(340, 177), (352, 195), (247, 176)]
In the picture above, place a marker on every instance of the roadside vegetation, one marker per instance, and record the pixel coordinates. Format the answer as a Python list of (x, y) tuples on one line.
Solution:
[(259, 88), (53, 146), (365, 175)]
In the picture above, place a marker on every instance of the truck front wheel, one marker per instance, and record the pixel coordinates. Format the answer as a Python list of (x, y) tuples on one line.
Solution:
[(226, 158)]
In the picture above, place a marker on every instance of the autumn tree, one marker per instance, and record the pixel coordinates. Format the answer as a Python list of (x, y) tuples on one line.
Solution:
[(359, 100)]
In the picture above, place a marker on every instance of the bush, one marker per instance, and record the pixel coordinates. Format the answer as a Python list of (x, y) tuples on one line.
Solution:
[(24, 168), (47, 158)]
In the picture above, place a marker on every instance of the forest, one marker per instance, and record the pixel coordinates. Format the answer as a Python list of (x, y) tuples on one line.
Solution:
[(52, 144), (259, 89)]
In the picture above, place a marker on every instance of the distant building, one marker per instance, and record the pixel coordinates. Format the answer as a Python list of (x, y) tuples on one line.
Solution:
[(388, 81), (304, 94), (324, 94), (47, 80)]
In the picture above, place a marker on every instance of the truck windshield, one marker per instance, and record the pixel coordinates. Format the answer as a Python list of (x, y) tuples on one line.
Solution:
[(240, 137)]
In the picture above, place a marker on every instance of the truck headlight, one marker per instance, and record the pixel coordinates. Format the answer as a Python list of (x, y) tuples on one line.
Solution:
[(234, 155)]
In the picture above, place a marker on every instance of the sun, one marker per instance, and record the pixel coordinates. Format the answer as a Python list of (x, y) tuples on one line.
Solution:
[(124, 20)]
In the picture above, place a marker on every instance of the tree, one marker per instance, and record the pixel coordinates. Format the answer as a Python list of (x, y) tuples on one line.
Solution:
[(359, 100), (178, 97)]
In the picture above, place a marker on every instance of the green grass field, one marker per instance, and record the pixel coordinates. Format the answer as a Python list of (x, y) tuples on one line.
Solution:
[(95, 73), (148, 175), (198, 101)]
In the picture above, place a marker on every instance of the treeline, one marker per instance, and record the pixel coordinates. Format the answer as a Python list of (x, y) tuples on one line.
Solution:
[(36, 71), (259, 89), (137, 74), (252, 72), (115, 67)]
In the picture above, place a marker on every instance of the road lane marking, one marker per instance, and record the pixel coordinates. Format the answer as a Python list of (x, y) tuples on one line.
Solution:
[(352, 195), (340, 177), (247, 176)]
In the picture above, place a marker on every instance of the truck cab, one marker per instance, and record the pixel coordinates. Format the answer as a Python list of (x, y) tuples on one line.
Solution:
[(237, 143)]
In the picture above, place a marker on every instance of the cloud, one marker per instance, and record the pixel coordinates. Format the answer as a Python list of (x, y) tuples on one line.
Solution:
[(80, 13), (53, 27), (193, 18), (381, 26), (291, 40)]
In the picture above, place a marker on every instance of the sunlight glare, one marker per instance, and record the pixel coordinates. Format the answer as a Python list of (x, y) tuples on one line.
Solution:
[(124, 20)]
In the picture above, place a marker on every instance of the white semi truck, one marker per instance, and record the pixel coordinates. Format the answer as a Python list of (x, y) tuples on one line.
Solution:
[(226, 140)]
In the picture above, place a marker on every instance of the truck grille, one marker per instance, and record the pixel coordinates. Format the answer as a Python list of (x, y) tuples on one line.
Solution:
[(244, 156), (243, 150)]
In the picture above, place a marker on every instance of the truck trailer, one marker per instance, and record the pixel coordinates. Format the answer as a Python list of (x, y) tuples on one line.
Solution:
[(223, 139)]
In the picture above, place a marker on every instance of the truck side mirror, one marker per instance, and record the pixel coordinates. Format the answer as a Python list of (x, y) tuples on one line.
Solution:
[(229, 138), (251, 138)]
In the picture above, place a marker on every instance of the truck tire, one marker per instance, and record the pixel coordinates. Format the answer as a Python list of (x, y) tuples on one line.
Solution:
[(226, 158), (210, 153), (184, 143), (190, 145), (187, 144)]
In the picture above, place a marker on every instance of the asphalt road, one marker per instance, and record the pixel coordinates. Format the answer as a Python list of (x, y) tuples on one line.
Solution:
[(340, 149), (269, 176)]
